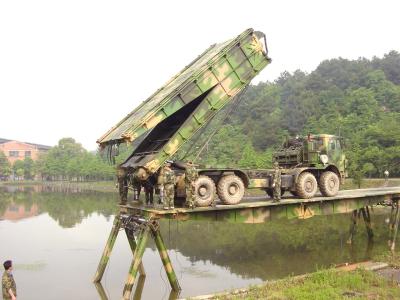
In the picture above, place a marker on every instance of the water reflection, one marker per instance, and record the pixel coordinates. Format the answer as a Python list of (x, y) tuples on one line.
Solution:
[(19, 202), (66, 232)]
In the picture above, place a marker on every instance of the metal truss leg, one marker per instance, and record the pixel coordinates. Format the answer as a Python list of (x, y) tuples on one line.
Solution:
[(353, 225), (162, 250), (108, 248), (132, 244), (367, 220), (139, 288), (101, 291), (137, 259), (396, 227)]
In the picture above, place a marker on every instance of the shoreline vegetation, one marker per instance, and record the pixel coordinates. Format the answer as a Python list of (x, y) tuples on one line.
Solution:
[(357, 283)]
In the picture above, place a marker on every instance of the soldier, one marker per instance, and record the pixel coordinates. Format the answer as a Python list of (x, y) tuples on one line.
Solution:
[(137, 186), (149, 190), (386, 173), (276, 184), (191, 176), (169, 186), (122, 185), (160, 185), (8, 283)]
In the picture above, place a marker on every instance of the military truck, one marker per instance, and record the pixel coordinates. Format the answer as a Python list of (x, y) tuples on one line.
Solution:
[(307, 163), (171, 117)]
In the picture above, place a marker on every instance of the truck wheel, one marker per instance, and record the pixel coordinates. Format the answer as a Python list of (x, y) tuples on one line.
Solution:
[(306, 185), (230, 189), (329, 184), (204, 191)]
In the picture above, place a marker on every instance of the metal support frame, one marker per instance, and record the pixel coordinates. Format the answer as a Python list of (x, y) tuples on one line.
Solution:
[(394, 224), (364, 211), (143, 228), (367, 220), (353, 226)]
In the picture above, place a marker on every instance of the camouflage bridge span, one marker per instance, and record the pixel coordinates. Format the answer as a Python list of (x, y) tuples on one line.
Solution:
[(141, 223), (256, 211)]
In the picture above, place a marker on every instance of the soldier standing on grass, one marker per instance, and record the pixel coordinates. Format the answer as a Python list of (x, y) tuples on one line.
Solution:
[(191, 176), (276, 184), (169, 186), (8, 283)]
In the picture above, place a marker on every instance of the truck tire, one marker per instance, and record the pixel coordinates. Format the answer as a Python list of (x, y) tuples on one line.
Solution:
[(329, 184), (306, 185), (230, 189), (204, 191)]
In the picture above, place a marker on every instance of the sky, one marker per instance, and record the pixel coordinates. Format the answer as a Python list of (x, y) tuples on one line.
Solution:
[(75, 68)]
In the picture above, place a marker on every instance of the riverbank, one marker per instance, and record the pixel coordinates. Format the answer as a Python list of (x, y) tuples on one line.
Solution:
[(358, 281)]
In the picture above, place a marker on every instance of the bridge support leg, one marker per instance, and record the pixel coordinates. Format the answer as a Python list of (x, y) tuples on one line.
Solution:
[(136, 261), (353, 225), (367, 220), (395, 227), (108, 248), (162, 250), (132, 244)]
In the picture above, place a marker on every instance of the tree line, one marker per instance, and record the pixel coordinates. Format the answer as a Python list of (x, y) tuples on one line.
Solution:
[(68, 160), (356, 99)]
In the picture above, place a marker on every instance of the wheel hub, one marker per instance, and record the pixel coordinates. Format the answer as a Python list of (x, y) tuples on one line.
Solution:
[(202, 191), (332, 184), (309, 186), (232, 189)]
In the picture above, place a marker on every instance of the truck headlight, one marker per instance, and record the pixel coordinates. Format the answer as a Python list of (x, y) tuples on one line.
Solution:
[(324, 158)]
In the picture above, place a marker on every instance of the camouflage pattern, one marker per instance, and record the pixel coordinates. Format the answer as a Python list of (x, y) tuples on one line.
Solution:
[(310, 151), (169, 187), (146, 228), (197, 93), (276, 183), (136, 261), (191, 176), (7, 283), (108, 248), (162, 250), (264, 211)]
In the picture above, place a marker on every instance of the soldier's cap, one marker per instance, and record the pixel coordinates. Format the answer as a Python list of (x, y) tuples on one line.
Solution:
[(7, 264)]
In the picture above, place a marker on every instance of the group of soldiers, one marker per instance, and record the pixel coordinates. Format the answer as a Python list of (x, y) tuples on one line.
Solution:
[(165, 182)]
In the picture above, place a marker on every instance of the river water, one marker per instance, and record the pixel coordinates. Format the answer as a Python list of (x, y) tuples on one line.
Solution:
[(55, 239)]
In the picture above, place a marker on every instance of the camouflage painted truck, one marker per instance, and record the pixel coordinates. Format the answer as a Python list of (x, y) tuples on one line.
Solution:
[(170, 117)]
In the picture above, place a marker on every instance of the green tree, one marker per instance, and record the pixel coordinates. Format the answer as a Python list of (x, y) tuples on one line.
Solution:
[(5, 166)]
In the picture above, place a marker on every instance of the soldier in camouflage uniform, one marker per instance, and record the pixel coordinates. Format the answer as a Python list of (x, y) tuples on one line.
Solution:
[(8, 283), (276, 184), (169, 186), (191, 176)]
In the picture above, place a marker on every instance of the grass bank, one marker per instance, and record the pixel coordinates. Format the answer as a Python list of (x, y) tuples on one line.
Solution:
[(324, 284)]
